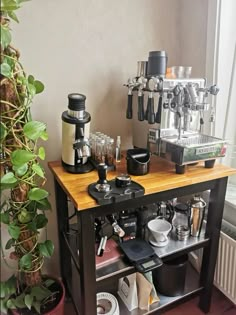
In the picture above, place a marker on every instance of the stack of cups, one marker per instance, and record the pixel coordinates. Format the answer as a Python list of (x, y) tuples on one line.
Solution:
[(182, 232), (181, 72)]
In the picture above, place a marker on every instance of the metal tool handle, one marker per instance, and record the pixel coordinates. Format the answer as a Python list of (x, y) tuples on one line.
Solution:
[(141, 114), (102, 173), (159, 108), (147, 110), (129, 112), (150, 111)]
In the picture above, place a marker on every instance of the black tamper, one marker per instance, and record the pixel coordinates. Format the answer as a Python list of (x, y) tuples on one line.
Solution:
[(102, 184)]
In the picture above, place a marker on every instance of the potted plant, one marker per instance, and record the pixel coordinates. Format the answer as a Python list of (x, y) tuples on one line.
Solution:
[(24, 201)]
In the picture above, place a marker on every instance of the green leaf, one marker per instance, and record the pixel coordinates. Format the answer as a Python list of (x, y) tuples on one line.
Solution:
[(13, 16), (37, 194), (32, 226), (38, 170), (24, 216), (14, 231), (29, 300), (41, 153), (10, 61), (20, 157), (8, 181), (8, 186), (21, 1), (3, 131), (37, 306), (5, 36), (40, 293), (8, 287), (31, 89), (32, 206), (44, 136), (44, 204), (22, 80), (8, 178), (10, 243), (39, 87), (41, 221), (6, 70), (3, 306), (31, 79), (5, 218), (34, 129), (21, 170), (10, 304), (26, 261), (20, 301), (9, 5), (2, 290), (49, 282), (47, 248)]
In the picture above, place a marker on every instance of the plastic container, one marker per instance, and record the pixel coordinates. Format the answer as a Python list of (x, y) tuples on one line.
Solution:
[(138, 161), (169, 279)]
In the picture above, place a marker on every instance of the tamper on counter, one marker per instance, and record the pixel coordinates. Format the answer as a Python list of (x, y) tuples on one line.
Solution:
[(102, 184)]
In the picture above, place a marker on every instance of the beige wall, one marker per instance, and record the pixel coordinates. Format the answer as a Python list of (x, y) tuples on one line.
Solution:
[(92, 47), (193, 35)]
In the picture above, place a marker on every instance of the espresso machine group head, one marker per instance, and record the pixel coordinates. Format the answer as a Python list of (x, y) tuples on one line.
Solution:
[(75, 136), (174, 128)]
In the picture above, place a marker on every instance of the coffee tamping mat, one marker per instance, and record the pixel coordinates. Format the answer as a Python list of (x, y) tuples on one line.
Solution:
[(105, 192)]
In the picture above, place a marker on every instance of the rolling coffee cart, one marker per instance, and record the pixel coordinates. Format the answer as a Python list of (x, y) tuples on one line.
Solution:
[(161, 183)]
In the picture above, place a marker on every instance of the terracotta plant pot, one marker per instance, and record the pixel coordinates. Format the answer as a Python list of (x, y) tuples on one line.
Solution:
[(58, 309)]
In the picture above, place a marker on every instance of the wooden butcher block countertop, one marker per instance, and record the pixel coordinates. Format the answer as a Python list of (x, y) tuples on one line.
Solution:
[(161, 177)]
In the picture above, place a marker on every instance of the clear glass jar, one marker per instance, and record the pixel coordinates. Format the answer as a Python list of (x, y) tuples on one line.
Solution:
[(118, 150), (181, 215), (92, 144), (100, 150), (110, 152)]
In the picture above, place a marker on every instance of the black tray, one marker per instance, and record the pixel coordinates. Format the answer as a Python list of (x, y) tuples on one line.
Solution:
[(116, 194)]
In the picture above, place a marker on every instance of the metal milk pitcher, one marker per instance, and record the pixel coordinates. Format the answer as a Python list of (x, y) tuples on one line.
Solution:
[(197, 212)]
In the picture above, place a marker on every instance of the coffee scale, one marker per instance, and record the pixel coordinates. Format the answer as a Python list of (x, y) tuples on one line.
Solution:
[(178, 121), (141, 255)]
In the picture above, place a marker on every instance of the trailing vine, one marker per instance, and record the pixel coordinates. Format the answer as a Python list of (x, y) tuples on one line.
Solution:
[(24, 201)]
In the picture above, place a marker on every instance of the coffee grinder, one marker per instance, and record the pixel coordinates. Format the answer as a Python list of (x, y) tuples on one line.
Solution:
[(75, 136)]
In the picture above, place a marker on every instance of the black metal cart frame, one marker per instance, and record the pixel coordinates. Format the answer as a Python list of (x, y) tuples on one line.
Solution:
[(85, 223)]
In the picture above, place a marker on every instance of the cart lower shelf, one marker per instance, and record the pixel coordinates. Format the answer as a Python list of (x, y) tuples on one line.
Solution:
[(191, 288)]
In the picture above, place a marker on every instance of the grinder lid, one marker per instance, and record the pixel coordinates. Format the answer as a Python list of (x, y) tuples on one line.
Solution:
[(158, 53), (76, 101)]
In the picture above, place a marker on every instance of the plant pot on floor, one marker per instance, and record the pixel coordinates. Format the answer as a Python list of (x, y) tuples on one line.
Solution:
[(56, 308)]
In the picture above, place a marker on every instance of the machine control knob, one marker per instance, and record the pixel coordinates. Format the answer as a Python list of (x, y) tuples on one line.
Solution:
[(165, 105), (214, 89)]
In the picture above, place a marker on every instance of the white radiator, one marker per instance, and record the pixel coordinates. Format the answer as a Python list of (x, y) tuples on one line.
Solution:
[(225, 272)]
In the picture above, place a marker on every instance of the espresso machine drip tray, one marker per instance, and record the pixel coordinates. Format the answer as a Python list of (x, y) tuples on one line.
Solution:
[(192, 149)]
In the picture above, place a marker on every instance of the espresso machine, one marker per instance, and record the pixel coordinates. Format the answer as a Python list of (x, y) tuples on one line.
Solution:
[(75, 136), (173, 128)]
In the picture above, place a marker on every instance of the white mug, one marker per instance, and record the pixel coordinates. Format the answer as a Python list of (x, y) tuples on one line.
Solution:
[(159, 230)]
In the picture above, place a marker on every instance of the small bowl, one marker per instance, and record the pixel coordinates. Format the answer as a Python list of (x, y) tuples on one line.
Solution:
[(138, 161)]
